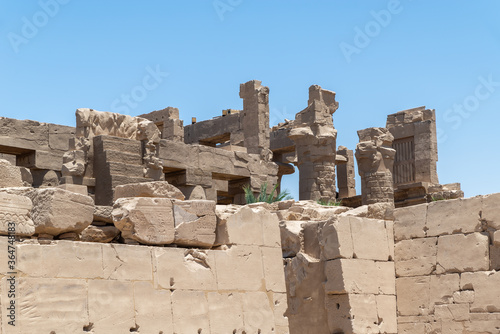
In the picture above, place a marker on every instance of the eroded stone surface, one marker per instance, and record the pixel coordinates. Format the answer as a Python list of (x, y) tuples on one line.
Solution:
[(148, 189), (15, 215)]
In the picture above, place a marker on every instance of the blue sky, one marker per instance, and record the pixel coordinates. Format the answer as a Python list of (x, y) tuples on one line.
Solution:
[(378, 56)]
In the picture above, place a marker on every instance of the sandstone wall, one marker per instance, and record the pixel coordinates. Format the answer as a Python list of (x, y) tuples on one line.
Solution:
[(447, 258), (339, 270), (82, 287)]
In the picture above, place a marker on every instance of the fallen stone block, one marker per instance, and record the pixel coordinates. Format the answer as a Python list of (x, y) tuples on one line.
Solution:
[(148, 189), (147, 220), (57, 211), (102, 234), (195, 223), (103, 214), (15, 215)]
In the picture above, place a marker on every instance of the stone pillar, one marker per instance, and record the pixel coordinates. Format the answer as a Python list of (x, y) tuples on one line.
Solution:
[(375, 157), (345, 173), (255, 117), (315, 146)]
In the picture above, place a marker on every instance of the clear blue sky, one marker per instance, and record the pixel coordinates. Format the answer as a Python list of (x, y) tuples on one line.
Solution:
[(379, 56)]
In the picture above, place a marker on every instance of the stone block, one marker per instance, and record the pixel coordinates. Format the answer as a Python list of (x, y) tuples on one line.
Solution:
[(111, 306), (274, 273), (46, 305), (102, 234), (103, 214), (413, 295), (351, 276), (291, 235), (496, 238), (148, 189), (126, 262), (153, 309), (386, 278), (495, 257), (442, 288), (280, 307), (409, 222), (56, 211), (463, 297), (491, 210), (185, 269), (225, 312), (486, 293), (257, 313), (452, 312), (387, 314), (335, 239), (369, 238), (240, 268), (190, 312), (459, 253), (415, 257), (195, 223), (60, 259), (147, 220), (15, 209), (76, 188), (311, 232), (10, 175), (454, 216)]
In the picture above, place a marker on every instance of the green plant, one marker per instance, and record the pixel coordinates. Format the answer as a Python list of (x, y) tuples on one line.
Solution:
[(264, 196), (330, 203)]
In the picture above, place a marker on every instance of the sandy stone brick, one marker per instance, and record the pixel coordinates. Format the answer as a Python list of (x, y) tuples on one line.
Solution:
[(364, 313), (452, 312), (369, 238), (335, 239), (442, 288), (111, 306), (413, 295), (153, 309), (15, 215), (161, 189), (482, 326), (351, 276), (273, 269), (102, 234), (495, 257), (280, 308), (195, 223), (463, 297), (257, 313), (386, 278), (225, 312), (415, 257), (240, 268), (184, 269), (127, 262), (291, 234), (459, 253), (45, 305), (454, 216), (411, 328), (10, 175), (409, 222), (491, 210), (190, 312), (339, 313), (386, 313), (486, 293)]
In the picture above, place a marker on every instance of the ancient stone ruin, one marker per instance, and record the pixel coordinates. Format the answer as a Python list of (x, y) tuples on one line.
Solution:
[(140, 225)]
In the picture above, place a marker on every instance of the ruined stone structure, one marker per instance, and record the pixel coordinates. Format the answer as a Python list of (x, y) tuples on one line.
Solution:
[(137, 224)]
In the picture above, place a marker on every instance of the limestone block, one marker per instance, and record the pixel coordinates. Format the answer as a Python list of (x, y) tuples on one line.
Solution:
[(409, 222), (153, 309), (386, 279), (76, 188), (482, 326), (239, 268), (222, 213), (46, 305), (491, 210), (496, 238), (56, 211), (335, 239), (251, 226), (184, 269), (60, 259), (26, 176), (147, 220), (442, 288), (454, 216), (311, 232), (10, 176), (291, 232), (495, 257), (463, 297), (195, 223), (15, 209), (126, 262), (102, 234), (225, 312), (339, 314), (351, 276), (415, 257), (452, 312), (257, 313), (412, 328), (413, 295), (148, 189), (459, 253), (111, 306), (486, 293), (355, 313), (387, 314), (280, 307), (190, 312), (369, 238), (103, 214), (273, 269)]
